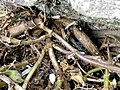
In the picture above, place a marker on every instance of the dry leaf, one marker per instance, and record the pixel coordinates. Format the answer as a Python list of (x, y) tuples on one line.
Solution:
[(65, 66), (78, 78)]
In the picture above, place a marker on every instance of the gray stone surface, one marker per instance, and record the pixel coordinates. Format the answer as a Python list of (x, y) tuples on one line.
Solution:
[(106, 12), (21, 2), (97, 8)]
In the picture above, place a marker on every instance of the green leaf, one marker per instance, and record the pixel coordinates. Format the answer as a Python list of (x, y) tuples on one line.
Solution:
[(14, 75)]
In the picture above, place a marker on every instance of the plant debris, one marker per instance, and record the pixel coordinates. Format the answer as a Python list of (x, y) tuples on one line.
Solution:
[(34, 47)]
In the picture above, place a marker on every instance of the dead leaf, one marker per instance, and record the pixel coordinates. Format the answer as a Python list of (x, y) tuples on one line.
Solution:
[(65, 66), (11, 85), (78, 78)]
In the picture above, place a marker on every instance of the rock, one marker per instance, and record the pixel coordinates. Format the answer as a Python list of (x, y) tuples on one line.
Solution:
[(20, 2), (105, 12), (101, 13), (109, 9)]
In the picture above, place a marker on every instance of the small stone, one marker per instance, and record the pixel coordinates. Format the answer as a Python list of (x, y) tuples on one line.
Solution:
[(52, 78)]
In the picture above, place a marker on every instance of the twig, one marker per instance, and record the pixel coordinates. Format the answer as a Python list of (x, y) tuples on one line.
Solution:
[(87, 43), (92, 71), (33, 70), (17, 65), (61, 49), (11, 65), (35, 49), (106, 74), (96, 58), (15, 41), (95, 63), (106, 80), (52, 57), (56, 66)]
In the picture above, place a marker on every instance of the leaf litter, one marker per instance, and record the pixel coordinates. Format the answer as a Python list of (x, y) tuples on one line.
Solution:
[(42, 45)]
